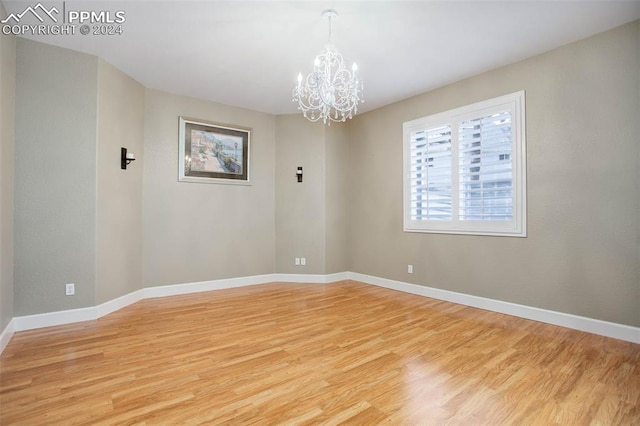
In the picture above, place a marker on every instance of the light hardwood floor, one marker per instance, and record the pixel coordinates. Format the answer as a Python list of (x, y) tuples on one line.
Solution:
[(315, 354)]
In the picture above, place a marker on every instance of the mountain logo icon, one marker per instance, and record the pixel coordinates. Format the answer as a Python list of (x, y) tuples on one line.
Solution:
[(38, 11)]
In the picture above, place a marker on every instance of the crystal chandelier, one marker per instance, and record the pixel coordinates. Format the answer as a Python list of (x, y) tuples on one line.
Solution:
[(330, 92)]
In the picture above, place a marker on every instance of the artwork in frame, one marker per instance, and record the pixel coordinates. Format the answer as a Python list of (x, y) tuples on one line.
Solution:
[(213, 153)]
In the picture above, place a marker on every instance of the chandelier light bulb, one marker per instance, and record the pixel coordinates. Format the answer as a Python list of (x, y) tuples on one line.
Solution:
[(330, 92)]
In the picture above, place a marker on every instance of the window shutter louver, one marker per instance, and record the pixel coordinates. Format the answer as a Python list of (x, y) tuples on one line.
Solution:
[(431, 174), (485, 170)]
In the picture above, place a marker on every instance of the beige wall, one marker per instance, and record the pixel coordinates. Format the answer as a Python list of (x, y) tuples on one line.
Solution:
[(311, 219), (119, 192), (582, 253), (7, 145), (300, 207), (198, 231), (55, 178), (78, 215), (336, 199)]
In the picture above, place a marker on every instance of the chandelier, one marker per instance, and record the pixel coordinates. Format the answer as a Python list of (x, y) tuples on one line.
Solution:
[(330, 92)]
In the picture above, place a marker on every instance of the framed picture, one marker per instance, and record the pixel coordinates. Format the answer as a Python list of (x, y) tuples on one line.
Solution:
[(213, 153)]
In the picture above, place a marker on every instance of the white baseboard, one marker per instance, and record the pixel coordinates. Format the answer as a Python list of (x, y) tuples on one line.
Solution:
[(590, 325), (118, 303), (6, 334), (310, 278), (48, 319), (197, 287)]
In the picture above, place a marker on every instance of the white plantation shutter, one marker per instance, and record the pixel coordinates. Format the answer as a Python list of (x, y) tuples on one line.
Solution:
[(430, 172), (465, 170), (485, 169)]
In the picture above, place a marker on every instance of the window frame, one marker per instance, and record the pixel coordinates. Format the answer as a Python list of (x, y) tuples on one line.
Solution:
[(517, 227)]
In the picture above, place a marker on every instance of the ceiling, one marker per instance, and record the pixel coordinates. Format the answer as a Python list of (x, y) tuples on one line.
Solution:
[(248, 54)]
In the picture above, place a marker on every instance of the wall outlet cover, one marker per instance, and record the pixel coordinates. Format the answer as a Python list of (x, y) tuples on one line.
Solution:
[(70, 289)]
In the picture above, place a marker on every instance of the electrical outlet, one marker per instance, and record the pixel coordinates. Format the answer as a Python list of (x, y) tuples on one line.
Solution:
[(297, 261), (303, 261), (70, 289), (410, 269)]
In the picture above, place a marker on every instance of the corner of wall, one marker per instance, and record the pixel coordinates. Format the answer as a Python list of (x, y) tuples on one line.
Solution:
[(336, 195), (300, 206), (118, 240), (7, 151), (55, 124)]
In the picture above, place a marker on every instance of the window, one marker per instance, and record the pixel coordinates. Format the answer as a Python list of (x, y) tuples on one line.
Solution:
[(465, 170)]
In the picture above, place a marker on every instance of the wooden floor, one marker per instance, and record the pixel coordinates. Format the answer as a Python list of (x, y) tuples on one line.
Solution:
[(315, 354)]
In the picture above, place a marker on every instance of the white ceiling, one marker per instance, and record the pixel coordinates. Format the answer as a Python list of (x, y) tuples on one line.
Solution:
[(248, 54)]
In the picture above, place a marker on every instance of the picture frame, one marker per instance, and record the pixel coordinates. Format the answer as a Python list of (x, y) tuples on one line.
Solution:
[(213, 153)]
